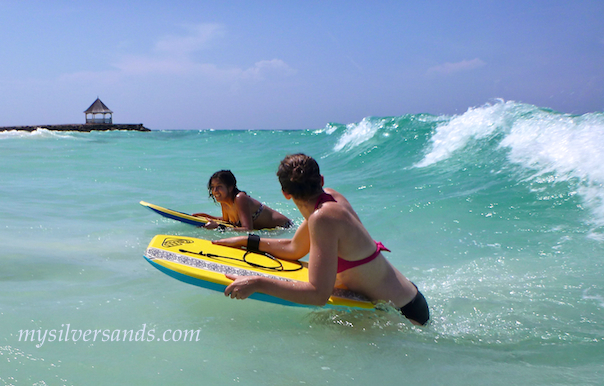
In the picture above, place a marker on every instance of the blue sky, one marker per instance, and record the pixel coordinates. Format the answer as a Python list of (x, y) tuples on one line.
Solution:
[(293, 64)]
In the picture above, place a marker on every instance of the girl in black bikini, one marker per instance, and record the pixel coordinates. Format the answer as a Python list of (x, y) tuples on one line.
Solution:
[(241, 210), (341, 251)]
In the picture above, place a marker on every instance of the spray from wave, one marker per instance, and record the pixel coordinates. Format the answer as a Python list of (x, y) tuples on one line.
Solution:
[(358, 133), (550, 147), (455, 134), (563, 147)]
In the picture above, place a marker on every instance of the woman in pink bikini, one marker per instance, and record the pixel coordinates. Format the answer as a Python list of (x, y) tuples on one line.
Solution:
[(341, 251)]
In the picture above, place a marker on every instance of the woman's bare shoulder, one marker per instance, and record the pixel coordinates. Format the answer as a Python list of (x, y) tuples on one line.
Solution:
[(339, 197)]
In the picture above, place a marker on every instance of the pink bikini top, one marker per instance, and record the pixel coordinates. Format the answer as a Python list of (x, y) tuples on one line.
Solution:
[(324, 197), (344, 265)]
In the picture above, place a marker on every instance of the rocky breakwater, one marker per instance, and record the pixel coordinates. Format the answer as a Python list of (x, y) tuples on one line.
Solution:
[(79, 127)]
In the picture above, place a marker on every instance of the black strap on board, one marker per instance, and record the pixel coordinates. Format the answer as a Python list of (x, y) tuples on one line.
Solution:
[(278, 268)]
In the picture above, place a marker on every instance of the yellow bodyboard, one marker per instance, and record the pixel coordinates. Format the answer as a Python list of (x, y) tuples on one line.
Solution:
[(182, 217), (199, 262)]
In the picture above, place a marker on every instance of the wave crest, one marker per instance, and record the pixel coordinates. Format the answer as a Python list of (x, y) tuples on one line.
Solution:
[(38, 133)]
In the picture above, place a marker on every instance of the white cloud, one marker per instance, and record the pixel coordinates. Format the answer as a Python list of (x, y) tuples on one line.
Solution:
[(450, 68), (144, 65), (199, 37), (265, 67), (172, 55)]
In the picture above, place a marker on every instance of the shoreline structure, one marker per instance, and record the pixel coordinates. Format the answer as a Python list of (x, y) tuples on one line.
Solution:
[(84, 127), (93, 123)]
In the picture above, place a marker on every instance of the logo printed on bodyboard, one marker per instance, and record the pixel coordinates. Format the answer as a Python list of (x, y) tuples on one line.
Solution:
[(171, 242)]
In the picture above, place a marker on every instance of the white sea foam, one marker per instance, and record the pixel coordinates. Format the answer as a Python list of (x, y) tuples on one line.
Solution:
[(598, 298), (358, 133), (568, 148), (38, 133), (564, 146), (476, 123)]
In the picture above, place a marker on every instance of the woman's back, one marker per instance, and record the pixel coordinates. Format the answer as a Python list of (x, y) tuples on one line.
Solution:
[(377, 278)]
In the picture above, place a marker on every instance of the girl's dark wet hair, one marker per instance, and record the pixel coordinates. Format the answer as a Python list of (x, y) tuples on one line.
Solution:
[(228, 179), (300, 176)]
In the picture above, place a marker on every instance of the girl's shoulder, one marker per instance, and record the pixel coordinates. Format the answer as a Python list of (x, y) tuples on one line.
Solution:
[(242, 196), (242, 199)]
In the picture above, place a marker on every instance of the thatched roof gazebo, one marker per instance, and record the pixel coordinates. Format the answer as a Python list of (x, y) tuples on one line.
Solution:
[(96, 108)]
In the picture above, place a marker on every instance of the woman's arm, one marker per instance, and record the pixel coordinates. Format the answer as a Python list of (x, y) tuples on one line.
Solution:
[(298, 292), (287, 249), (322, 267)]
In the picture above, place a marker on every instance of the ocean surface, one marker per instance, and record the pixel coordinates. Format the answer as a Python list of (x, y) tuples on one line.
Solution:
[(497, 214)]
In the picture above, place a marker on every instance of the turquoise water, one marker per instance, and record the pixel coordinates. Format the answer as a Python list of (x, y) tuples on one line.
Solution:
[(496, 214)]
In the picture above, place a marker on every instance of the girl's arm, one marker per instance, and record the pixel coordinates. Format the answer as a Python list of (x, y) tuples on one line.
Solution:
[(243, 206), (206, 215), (225, 217)]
